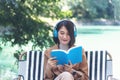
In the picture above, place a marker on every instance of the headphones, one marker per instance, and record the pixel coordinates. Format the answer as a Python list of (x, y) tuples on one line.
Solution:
[(55, 32)]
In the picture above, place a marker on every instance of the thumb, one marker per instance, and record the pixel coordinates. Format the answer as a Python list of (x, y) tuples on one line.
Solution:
[(70, 63)]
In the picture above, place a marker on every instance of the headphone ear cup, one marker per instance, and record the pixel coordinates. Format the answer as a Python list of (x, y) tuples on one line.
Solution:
[(55, 33), (75, 33)]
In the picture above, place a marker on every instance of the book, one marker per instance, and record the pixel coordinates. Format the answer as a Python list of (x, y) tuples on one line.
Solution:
[(73, 55)]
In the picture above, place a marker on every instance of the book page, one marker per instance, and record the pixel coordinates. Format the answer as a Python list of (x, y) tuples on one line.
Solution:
[(60, 56), (75, 55)]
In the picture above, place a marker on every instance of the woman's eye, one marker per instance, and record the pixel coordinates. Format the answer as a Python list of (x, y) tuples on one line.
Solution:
[(62, 33)]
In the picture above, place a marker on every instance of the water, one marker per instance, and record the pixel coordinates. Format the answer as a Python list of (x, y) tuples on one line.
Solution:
[(8, 67), (102, 38)]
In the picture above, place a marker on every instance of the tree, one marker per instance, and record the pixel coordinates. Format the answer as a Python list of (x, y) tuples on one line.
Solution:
[(90, 9), (117, 9), (22, 21)]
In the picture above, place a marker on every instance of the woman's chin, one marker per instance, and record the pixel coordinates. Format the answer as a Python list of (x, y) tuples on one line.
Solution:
[(65, 43)]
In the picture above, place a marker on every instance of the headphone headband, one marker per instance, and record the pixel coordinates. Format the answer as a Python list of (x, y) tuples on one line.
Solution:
[(55, 32)]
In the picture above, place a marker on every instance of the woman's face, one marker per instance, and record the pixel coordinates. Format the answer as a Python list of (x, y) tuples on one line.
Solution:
[(63, 36)]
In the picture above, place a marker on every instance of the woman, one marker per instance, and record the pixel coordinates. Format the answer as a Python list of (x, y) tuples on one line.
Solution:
[(64, 36)]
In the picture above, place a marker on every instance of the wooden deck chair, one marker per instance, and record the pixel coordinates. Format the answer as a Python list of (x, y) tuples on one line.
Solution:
[(99, 65), (32, 67)]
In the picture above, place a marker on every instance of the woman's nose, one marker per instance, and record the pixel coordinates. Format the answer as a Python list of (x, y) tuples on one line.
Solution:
[(65, 36)]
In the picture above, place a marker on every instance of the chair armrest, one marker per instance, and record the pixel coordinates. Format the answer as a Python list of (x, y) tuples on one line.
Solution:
[(22, 54), (109, 55), (20, 77), (110, 77), (22, 69), (109, 71)]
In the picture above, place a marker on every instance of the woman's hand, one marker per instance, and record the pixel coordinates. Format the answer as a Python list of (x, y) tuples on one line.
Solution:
[(68, 67), (51, 63), (58, 69)]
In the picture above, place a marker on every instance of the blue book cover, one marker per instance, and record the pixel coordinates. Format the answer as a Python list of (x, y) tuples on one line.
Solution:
[(74, 55)]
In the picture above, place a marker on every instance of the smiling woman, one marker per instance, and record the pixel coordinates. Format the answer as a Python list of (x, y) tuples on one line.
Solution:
[(64, 35)]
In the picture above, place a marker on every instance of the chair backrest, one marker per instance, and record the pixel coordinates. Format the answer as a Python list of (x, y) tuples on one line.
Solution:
[(32, 67), (99, 65)]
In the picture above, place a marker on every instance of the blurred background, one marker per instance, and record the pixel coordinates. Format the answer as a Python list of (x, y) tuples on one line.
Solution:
[(28, 25)]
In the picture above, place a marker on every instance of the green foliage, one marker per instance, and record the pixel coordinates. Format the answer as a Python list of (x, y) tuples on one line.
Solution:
[(17, 53), (116, 4), (21, 21), (79, 11), (92, 9), (101, 10)]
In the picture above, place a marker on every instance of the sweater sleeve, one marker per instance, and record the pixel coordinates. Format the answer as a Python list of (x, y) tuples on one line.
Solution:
[(84, 66), (48, 74)]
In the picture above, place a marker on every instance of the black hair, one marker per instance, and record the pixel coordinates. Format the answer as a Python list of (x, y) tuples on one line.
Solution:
[(70, 27)]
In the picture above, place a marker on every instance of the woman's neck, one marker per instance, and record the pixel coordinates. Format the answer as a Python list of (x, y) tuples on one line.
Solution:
[(64, 47)]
